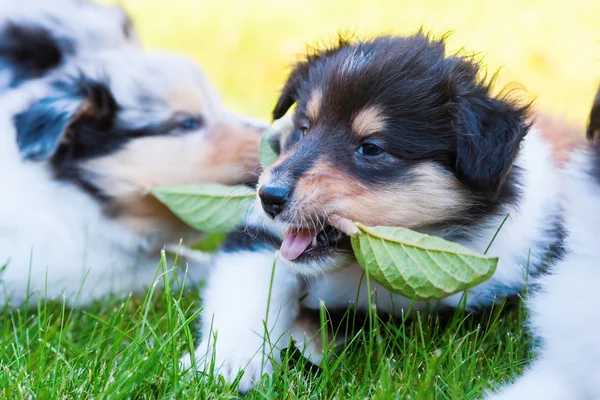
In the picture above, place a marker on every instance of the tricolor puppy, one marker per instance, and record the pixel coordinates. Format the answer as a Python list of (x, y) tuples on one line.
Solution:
[(80, 151), (563, 313), (390, 131), (37, 36)]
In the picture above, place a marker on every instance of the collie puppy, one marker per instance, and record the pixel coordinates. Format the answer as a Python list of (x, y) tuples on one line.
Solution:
[(390, 131), (562, 313), (80, 151), (37, 36)]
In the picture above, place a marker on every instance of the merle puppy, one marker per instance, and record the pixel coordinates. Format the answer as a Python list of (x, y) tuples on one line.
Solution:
[(80, 151)]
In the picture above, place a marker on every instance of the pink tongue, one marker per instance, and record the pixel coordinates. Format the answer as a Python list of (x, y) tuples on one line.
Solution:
[(295, 242)]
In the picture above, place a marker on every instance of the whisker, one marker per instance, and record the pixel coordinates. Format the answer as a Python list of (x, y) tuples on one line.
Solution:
[(312, 221)]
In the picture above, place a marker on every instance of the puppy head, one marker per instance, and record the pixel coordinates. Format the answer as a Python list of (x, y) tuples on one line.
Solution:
[(37, 36), (392, 132), (128, 121)]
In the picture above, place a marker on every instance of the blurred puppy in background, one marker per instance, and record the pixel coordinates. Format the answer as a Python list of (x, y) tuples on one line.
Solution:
[(37, 36), (80, 150)]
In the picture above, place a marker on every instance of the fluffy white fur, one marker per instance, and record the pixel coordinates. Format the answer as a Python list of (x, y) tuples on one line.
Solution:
[(55, 237), (563, 313), (236, 293), (245, 330)]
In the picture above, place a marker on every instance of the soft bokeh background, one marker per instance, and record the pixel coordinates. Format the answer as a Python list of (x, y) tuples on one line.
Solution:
[(550, 47)]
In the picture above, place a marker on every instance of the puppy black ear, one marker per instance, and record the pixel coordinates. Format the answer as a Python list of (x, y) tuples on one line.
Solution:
[(29, 50), (46, 125), (593, 130), (299, 74), (288, 95), (489, 136)]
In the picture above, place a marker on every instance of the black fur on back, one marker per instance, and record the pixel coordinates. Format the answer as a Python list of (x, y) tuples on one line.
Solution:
[(30, 51)]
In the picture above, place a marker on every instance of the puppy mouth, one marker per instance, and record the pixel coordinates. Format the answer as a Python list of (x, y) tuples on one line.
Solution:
[(301, 244)]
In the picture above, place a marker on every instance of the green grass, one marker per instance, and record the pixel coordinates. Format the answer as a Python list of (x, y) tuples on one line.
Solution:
[(130, 349)]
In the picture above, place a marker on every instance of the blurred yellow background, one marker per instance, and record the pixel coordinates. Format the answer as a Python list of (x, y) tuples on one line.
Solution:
[(552, 48)]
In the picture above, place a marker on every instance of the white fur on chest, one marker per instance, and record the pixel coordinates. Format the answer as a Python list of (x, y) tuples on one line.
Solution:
[(563, 315)]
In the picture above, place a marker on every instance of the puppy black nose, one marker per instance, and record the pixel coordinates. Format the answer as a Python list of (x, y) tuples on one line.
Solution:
[(273, 199)]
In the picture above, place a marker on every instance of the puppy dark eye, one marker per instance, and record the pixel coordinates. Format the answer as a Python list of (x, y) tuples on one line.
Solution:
[(370, 150), (304, 130), (190, 123)]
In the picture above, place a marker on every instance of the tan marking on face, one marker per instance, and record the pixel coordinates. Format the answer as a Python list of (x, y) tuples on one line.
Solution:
[(431, 197), (226, 153), (563, 139), (187, 100), (368, 121), (313, 107)]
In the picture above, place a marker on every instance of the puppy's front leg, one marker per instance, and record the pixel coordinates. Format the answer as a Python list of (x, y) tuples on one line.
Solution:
[(249, 307)]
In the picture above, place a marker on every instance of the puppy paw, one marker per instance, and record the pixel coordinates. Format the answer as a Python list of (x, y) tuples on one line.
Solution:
[(229, 361), (308, 337)]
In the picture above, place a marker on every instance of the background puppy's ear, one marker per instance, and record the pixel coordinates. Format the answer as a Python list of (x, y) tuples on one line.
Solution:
[(489, 136), (593, 130), (29, 50), (46, 125), (289, 93)]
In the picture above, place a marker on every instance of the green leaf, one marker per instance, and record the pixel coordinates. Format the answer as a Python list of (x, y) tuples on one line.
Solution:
[(267, 154), (211, 208), (281, 127), (418, 266)]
